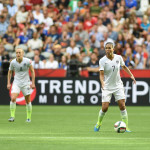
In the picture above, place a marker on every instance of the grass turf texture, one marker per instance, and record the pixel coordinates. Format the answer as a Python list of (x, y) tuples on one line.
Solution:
[(72, 128)]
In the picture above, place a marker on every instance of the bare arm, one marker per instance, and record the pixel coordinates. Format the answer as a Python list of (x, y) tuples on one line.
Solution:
[(126, 69), (93, 69), (102, 78), (136, 62), (144, 63), (32, 76), (8, 79)]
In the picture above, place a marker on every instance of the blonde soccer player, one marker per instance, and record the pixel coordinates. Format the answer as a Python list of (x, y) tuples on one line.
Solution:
[(111, 83), (20, 66)]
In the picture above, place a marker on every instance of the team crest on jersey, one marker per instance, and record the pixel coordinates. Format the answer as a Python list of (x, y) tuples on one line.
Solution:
[(117, 61), (25, 64)]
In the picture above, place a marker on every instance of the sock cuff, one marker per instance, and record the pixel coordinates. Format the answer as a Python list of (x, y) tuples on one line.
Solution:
[(12, 102), (123, 112), (101, 112), (29, 104)]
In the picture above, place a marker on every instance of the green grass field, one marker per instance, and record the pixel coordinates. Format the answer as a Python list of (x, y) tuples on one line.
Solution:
[(71, 128)]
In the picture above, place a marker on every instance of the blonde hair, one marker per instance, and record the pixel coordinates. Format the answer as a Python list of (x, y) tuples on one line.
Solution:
[(20, 49)]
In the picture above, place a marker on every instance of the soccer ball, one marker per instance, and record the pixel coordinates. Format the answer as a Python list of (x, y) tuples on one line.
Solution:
[(120, 127)]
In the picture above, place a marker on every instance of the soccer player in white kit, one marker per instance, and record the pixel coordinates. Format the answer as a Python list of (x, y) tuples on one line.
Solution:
[(111, 83), (21, 66)]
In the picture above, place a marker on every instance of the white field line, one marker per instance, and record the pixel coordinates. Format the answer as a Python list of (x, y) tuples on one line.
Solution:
[(81, 138)]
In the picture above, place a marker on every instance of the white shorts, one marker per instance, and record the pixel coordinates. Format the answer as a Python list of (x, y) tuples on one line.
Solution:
[(118, 94), (26, 90)]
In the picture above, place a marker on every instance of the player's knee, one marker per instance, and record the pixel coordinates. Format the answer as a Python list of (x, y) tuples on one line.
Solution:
[(104, 109), (122, 107), (13, 99), (27, 102)]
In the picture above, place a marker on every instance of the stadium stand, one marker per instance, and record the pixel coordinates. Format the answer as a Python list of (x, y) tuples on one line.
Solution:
[(62, 28)]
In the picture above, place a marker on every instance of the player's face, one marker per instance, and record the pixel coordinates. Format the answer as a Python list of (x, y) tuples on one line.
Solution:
[(109, 50), (19, 54)]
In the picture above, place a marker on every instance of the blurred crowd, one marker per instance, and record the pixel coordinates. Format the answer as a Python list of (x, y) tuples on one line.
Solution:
[(52, 31)]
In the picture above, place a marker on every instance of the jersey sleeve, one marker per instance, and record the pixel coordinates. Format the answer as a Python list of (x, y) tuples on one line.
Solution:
[(122, 62), (29, 62), (101, 65), (11, 66)]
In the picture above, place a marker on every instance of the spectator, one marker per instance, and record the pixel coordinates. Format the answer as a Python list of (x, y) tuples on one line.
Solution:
[(105, 20), (1, 7), (37, 52), (22, 14), (78, 10), (147, 13), (37, 2), (88, 22), (53, 11), (129, 56), (19, 3), (57, 52), (112, 34), (85, 9), (95, 9), (9, 39), (120, 39), (73, 5), (101, 27), (102, 49), (53, 34), (63, 63), (118, 22), (72, 49), (48, 21), (37, 63), (12, 8), (82, 33), (87, 48), (35, 43), (22, 40), (140, 58), (64, 41), (48, 45), (94, 43), (63, 2), (4, 56), (131, 4), (37, 14), (94, 31), (93, 66), (78, 41), (51, 63), (118, 49), (6, 14), (145, 23), (3, 26)]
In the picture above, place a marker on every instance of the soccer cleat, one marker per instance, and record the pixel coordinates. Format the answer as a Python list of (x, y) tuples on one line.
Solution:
[(97, 128), (28, 120), (11, 119), (128, 130)]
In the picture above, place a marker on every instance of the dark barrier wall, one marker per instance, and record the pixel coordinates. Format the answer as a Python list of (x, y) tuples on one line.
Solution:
[(78, 91)]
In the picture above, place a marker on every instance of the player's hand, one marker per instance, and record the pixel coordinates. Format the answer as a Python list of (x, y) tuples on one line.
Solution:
[(33, 86), (8, 86), (134, 81)]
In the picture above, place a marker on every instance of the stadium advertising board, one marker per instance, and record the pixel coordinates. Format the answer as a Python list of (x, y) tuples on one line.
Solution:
[(80, 91)]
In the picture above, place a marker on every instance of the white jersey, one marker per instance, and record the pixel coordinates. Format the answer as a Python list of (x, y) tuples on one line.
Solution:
[(21, 70), (111, 69)]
